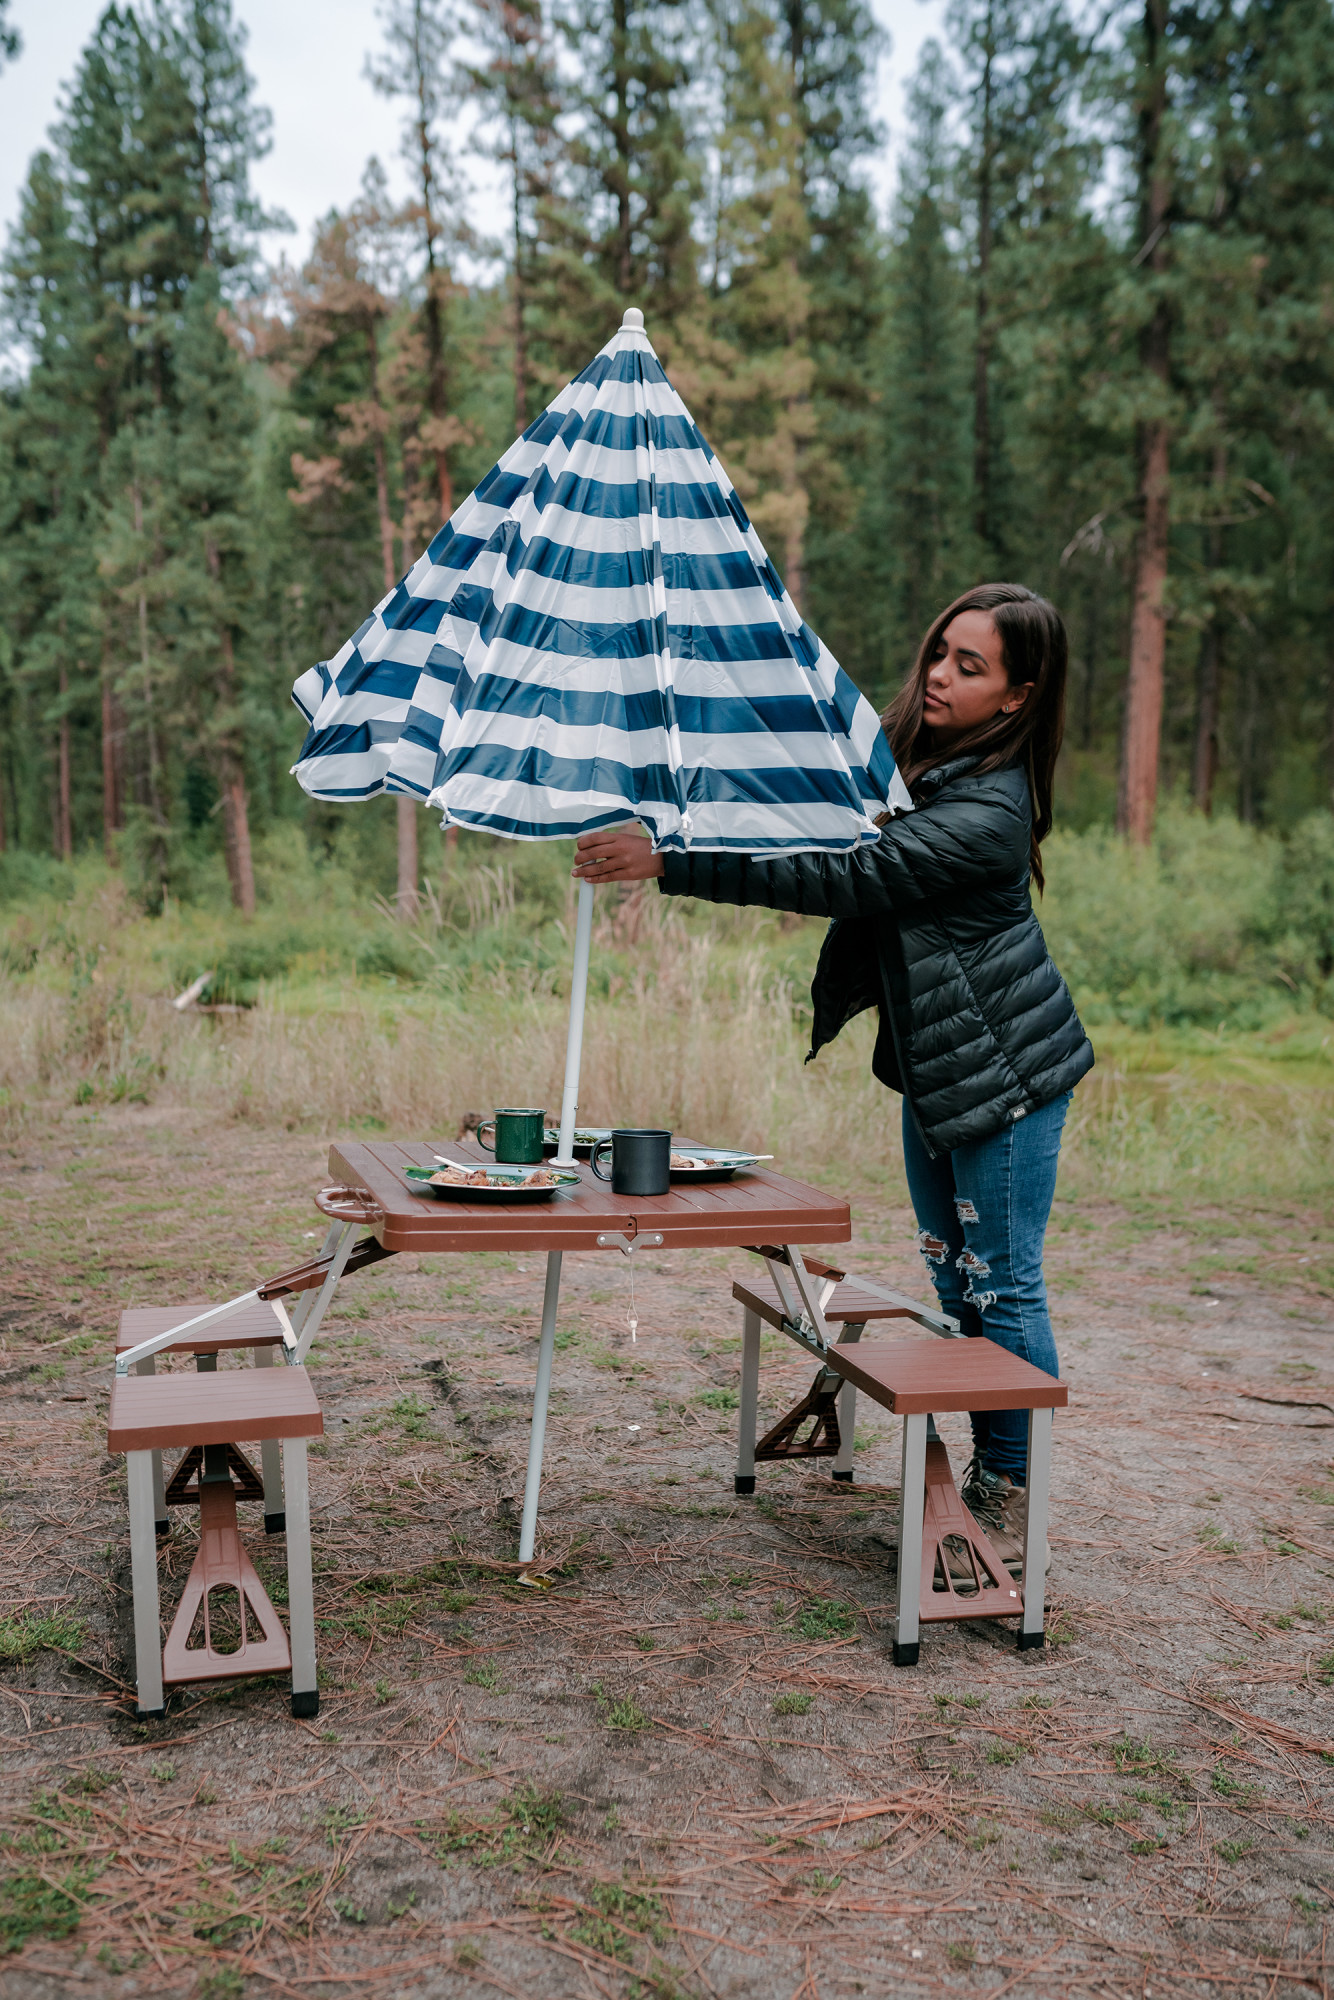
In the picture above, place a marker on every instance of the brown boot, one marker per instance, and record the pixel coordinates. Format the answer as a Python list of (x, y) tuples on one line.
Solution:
[(998, 1507)]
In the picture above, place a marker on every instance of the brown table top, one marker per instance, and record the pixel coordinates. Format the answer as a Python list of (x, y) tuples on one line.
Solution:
[(756, 1207)]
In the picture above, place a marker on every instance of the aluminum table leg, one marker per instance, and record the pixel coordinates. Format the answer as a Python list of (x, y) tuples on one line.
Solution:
[(1035, 1529), (161, 1518), (271, 1463), (541, 1393), (143, 1583), (750, 1401), (847, 1407), (912, 1509), (300, 1579)]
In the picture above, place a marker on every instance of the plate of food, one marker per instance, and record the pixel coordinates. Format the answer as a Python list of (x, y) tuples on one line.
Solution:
[(585, 1138), (711, 1163), (489, 1184)]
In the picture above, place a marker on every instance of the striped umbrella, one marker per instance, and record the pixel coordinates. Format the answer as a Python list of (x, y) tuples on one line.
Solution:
[(596, 636)]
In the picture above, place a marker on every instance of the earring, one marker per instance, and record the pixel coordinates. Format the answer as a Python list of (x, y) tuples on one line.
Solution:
[(1005, 711)]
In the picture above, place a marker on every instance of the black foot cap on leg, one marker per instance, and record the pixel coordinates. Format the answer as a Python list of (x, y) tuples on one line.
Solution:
[(847, 1476), (275, 1524), (906, 1656), (744, 1482), (149, 1714), (161, 1528), (306, 1705), (1028, 1640)]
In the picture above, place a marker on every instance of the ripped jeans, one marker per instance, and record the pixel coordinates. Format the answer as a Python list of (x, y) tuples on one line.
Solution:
[(981, 1216)]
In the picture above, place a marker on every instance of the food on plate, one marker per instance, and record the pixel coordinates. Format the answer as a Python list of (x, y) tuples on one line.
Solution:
[(689, 1162), (487, 1177)]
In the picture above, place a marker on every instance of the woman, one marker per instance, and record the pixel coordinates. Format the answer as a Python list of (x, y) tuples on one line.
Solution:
[(934, 926)]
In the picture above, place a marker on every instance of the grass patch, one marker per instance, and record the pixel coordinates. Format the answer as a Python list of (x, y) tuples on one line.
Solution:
[(719, 1399), (525, 1830), (24, 1634), (626, 1714), (616, 1917), (826, 1618), (36, 1905), (793, 1704)]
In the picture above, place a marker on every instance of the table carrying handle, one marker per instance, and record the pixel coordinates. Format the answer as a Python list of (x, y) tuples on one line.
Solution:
[(349, 1204)]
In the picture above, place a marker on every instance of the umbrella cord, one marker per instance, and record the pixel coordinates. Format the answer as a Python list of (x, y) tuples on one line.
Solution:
[(632, 1316)]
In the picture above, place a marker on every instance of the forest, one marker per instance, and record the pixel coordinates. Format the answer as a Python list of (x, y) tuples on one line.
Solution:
[(1089, 349)]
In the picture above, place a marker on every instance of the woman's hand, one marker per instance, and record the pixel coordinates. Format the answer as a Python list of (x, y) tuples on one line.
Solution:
[(617, 855)]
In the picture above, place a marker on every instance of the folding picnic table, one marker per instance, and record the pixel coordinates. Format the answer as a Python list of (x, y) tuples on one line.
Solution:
[(758, 1207)]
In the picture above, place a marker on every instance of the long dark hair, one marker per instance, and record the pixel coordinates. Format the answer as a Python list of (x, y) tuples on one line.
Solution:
[(1034, 649)]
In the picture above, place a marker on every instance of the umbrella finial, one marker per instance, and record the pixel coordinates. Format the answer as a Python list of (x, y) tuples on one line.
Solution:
[(633, 321)]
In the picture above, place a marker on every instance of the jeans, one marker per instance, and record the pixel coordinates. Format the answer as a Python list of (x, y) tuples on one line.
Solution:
[(981, 1217)]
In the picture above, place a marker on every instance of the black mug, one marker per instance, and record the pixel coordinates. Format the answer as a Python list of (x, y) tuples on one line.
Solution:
[(641, 1162)]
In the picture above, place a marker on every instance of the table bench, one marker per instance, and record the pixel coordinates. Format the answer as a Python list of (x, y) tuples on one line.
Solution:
[(947, 1568)]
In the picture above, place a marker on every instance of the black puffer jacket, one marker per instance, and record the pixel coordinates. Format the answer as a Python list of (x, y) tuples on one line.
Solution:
[(934, 925)]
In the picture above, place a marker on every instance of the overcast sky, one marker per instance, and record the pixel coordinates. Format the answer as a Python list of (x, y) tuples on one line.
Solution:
[(307, 58)]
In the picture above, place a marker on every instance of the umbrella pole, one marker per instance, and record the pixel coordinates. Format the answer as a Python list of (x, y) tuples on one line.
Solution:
[(569, 1104), (574, 1040)]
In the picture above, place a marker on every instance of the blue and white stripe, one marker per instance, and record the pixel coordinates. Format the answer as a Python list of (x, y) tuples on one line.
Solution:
[(598, 635)]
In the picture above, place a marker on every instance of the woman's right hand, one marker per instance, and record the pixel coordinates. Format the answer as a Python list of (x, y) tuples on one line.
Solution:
[(616, 854)]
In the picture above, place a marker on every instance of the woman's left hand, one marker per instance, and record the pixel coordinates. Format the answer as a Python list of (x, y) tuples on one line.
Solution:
[(618, 854)]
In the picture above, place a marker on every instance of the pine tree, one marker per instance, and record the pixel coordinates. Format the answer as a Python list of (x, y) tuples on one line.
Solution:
[(419, 34), (924, 510), (746, 365), (518, 88), (229, 131), (1152, 254), (212, 458), (616, 229), (832, 46)]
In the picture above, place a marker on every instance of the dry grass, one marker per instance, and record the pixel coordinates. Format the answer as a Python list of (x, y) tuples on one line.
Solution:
[(697, 1018)]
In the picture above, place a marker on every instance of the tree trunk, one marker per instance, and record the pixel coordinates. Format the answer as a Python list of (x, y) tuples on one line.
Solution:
[(1209, 666), (146, 668), (1138, 795), (620, 17), (1208, 675), (64, 829), (1144, 694), (435, 278), (407, 899), (111, 785), (406, 896), (235, 806), (982, 511), (1248, 789), (520, 298), (382, 510), (1092, 650)]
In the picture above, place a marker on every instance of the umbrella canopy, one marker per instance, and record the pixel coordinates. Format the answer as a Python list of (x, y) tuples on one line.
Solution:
[(597, 635)]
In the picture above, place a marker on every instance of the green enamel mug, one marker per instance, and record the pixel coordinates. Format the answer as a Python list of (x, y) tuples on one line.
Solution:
[(518, 1137)]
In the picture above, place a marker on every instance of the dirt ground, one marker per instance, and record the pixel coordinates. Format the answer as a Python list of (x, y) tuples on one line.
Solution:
[(689, 1767)]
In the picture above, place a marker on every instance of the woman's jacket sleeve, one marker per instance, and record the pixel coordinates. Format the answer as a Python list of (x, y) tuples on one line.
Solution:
[(961, 840)]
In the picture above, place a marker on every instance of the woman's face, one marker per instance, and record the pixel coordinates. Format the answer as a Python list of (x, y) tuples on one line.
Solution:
[(966, 683)]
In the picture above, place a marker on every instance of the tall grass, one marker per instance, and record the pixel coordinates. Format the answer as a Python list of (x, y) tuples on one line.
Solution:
[(340, 1019)]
